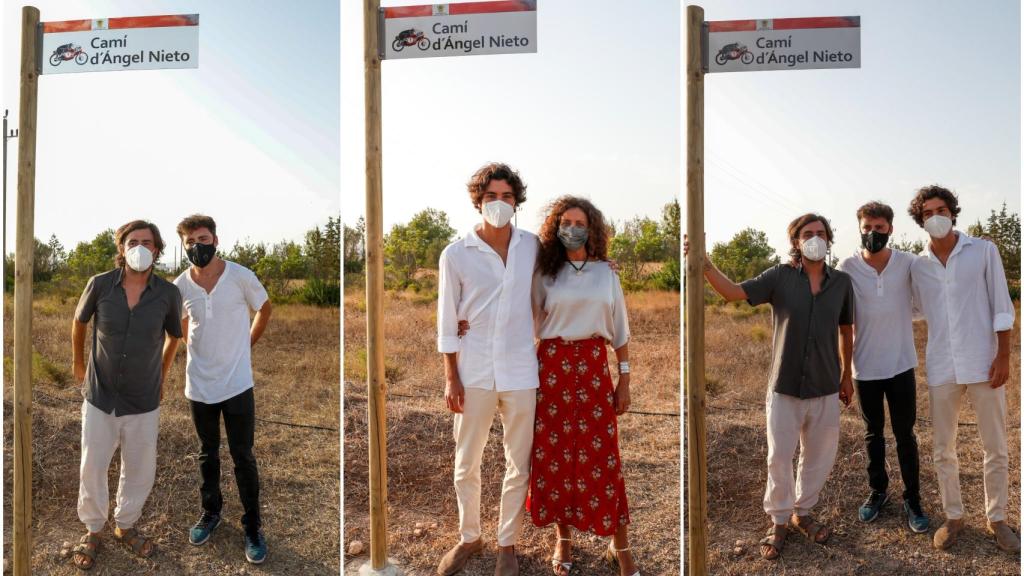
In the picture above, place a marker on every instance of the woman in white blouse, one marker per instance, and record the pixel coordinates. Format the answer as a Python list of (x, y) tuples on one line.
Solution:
[(576, 472)]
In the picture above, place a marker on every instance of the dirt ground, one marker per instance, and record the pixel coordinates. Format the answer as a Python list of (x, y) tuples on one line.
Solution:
[(421, 448), (296, 368), (737, 451)]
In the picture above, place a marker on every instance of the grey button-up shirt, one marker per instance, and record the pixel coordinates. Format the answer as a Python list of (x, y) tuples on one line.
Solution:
[(805, 354), (123, 375)]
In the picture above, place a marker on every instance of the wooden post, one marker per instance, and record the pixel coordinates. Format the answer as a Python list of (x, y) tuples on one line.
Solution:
[(376, 383), (24, 244), (697, 494)]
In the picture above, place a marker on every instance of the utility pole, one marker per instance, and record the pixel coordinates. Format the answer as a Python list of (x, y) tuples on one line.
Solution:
[(7, 136)]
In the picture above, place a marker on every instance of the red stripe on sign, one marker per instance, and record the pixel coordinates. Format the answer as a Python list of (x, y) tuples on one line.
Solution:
[(732, 26), (462, 8), (125, 22), (786, 24), (67, 26), (822, 22)]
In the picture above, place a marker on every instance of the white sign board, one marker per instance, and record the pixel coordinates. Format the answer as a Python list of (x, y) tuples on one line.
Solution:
[(783, 44), (134, 43), (503, 27)]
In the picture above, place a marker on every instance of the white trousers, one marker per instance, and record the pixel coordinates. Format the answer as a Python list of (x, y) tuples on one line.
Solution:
[(102, 433), (990, 413), (472, 428), (813, 424)]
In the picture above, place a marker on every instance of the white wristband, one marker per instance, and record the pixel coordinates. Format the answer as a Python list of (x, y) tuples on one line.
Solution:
[(623, 367)]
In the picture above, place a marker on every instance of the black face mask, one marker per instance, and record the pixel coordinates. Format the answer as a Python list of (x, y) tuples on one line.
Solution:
[(201, 254), (874, 241)]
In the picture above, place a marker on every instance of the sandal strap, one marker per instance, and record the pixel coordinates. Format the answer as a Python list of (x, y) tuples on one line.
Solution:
[(85, 550)]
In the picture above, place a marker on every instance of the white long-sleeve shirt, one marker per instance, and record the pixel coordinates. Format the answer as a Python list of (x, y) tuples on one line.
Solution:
[(497, 353), (965, 303)]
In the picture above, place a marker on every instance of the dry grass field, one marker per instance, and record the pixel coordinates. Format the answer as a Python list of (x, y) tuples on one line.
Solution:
[(738, 359), (296, 367), (421, 449)]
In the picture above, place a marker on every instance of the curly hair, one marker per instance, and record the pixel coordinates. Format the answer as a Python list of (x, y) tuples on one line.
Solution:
[(552, 255), (482, 178), (796, 226), (121, 236), (916, 209)]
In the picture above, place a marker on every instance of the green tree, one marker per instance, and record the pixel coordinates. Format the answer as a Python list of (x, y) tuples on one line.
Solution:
[(322, 251), (745, 256), (247, 254), (638, 243), (670, 276), (418, 244), (90, 258), (354, 247), (907, 245), (1003, 229)]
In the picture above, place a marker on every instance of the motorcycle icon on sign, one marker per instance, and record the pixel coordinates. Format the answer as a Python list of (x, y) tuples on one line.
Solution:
[(410, 37), (734, 51), (66, 52)]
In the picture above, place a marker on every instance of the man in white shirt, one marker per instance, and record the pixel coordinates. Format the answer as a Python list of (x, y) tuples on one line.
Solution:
[(485, 279), (884, 359), (960, 284), (218, 296)]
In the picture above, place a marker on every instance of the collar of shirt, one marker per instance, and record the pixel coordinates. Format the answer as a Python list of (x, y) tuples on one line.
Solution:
[(962, 240), (473, 239), (150, 282)]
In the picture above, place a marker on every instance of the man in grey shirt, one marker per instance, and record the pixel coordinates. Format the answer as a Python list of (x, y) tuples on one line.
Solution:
[(812, 308), (136, 326)]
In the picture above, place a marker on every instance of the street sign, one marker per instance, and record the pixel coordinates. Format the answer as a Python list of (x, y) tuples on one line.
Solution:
[(503, 27), (133, 43), (783, 44)]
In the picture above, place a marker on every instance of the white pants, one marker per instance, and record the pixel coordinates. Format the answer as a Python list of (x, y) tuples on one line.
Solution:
[(102, 433), (990, 413), (813, 424), (472, 428)]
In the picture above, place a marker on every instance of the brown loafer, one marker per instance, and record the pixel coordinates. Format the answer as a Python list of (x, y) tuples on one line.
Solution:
[(507, 565), (946, 535), (456, 558), (1006, 539)]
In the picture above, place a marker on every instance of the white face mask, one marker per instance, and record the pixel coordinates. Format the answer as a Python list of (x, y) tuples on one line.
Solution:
[(938, 226), (138, 258), (497, 213), (813, 249)]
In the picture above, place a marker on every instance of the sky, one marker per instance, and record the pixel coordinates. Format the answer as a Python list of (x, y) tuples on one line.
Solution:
[(251, 137), (936, 101), (595, 112)]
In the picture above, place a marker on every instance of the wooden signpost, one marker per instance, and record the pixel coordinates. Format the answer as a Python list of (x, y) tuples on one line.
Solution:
[(732, 46), (65, 39), (400, 32)]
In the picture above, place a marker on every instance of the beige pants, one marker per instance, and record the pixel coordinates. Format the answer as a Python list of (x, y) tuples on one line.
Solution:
[(990, 413), (813, 424), (472, 428), (102, 433)]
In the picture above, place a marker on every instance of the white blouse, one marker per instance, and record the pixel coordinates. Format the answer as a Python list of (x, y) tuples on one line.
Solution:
[(577, 306)]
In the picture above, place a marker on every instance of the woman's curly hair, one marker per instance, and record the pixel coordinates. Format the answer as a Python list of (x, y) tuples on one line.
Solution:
[(552, 256), (916, 209)]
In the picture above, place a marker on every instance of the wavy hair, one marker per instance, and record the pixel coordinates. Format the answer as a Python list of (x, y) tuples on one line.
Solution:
[(121, 236), (478, 183), (552, 255), (916, 209), (794, 229)]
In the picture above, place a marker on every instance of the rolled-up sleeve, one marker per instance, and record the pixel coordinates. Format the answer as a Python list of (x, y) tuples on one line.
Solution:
[(759, 290), (998, 293), (449, 292)]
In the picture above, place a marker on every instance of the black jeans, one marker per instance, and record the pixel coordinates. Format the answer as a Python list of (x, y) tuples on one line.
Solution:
[(239, 423), (901, 393)]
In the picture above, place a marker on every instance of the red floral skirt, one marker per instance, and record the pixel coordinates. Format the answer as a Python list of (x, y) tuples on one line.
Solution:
[(576, 472)]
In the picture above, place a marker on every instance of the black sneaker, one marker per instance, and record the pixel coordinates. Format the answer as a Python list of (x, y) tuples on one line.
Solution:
[(872, 506), (916, 519), (203, 528), (255, 546)]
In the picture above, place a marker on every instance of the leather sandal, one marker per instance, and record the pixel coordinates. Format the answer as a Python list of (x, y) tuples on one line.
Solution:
[(85, 551), (774, 540), (611, 556), (811, 529), (136, 541), (562, 567)]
